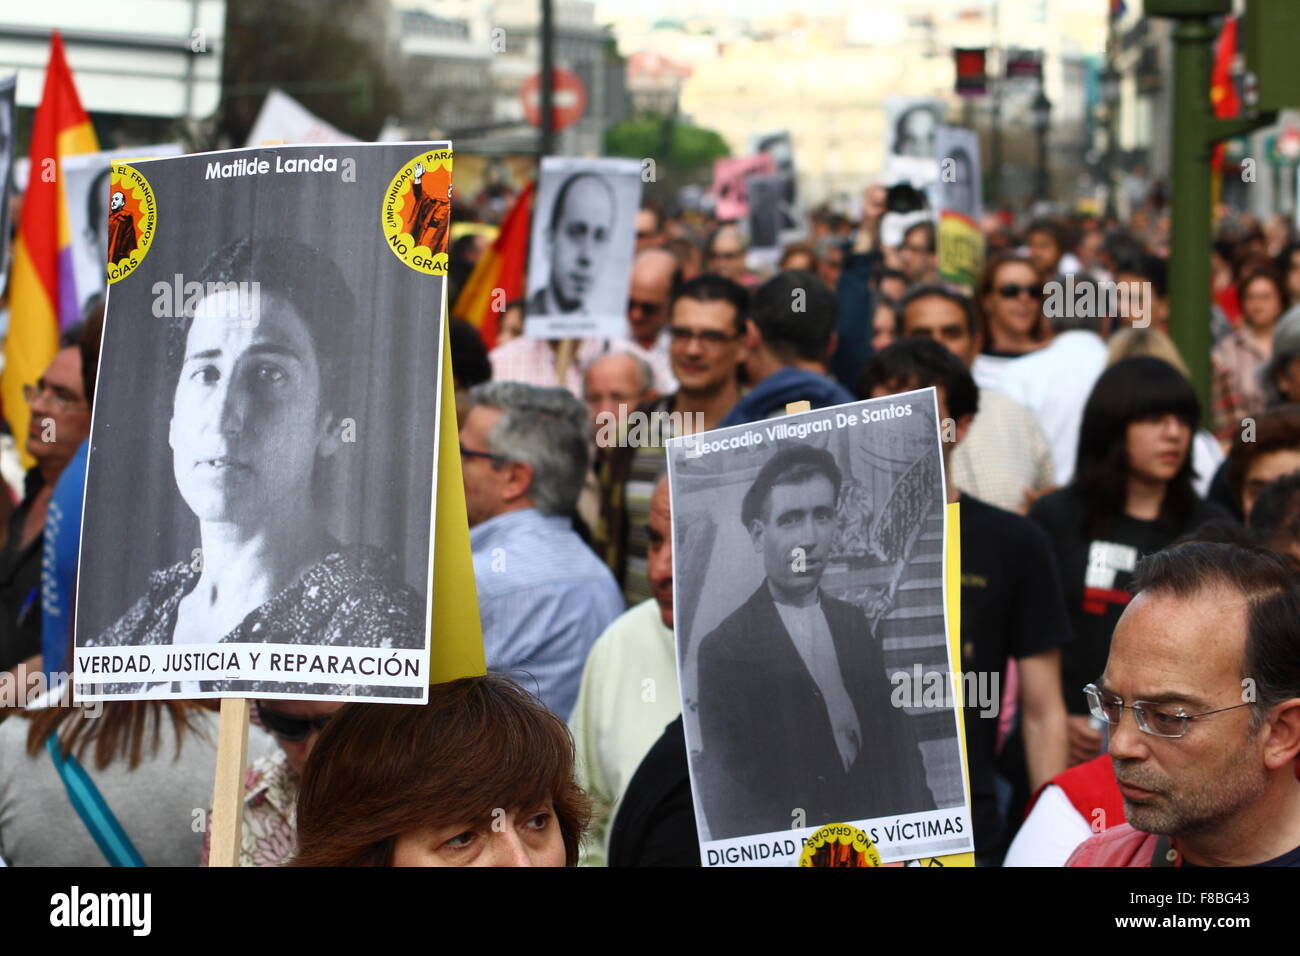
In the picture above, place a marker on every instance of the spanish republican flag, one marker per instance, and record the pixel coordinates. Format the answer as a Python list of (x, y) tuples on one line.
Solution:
[(498, 279), (1223, 95), (43, 297)]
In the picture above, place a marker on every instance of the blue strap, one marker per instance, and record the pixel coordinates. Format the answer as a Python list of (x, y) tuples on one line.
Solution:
[(90, 806)]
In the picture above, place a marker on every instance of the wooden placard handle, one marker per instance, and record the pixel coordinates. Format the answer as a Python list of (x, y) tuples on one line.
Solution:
[(228, 784), (794, 408)]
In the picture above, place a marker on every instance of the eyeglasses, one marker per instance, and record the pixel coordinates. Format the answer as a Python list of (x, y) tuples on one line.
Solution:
[(470, 453), (288, 727), (63, 399), (1011, 290), (648, 309), (709, 337), (1158, 720), (919, 250), (733, 254)]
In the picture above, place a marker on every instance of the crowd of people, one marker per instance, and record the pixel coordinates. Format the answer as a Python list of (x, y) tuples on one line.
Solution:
[(1115, 555)]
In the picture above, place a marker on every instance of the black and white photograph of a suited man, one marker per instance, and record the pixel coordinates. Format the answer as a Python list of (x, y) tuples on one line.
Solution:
[(579, 231), (794, 700)]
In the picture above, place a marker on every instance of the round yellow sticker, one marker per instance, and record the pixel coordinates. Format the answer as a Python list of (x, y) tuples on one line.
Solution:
[(838, 844), (132, 220), (417, 212)]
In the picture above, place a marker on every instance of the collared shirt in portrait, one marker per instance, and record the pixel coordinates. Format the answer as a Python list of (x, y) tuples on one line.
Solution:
[(811, 635)]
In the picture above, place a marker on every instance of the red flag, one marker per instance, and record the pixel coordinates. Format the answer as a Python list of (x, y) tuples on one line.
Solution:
[(498, 279), (43, 293), (1223, 92)]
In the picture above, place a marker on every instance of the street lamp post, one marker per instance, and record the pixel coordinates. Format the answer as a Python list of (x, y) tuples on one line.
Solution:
[(1110, 96), (1042, 110)]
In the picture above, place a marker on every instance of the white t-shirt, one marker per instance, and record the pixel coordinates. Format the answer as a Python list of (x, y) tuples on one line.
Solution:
[(1051, 832)]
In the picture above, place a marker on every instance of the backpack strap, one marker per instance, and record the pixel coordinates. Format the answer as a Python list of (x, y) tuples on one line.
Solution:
[(90, 805)]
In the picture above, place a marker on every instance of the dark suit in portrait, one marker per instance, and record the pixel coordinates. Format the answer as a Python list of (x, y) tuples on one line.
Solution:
[(768, 740)]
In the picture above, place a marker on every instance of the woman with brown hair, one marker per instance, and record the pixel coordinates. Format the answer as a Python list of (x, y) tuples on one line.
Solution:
[(1236, 389), (480, 776), (1010, 301), (115, 783)]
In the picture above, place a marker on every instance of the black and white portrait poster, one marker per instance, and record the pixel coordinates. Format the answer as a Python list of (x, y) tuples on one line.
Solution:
[(764, 193), (8, 85), (259, 498), (961, 243), (778, 145), (911, 123), (580, 248), (85, 190), (810, 607)]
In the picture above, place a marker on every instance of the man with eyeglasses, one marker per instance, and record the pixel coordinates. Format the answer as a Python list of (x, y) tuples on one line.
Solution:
[(706, 332), (1201, 695), (543, 596), (59, 423)]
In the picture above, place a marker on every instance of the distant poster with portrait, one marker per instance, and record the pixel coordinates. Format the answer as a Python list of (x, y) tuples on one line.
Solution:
[(961, 243), (85, 189), (911, 124), (780, 147), (259, 509), (8, 84), (729, 191), (812, 628), (580, 248)]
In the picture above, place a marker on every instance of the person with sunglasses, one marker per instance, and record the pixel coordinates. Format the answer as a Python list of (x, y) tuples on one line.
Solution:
[(1201, 697), (1011, 313), (1054, 381), (706, 331), (269, 836)]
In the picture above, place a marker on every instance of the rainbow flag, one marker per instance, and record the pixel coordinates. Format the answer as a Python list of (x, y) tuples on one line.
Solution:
[(498, 279), (43, 295)]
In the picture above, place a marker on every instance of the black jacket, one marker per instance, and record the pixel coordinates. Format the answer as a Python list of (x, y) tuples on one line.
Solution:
[(769, 749)]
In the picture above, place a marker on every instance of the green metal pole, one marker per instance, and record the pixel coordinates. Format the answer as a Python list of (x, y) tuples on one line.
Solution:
[(1189, 240)]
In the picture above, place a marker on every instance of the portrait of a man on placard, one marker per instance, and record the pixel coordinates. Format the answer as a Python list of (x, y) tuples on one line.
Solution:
[(812, 673), (579, 230)]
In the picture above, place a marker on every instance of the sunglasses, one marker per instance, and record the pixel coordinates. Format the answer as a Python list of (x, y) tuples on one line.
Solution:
[(1011, 290), (289, 727), (648, 309)]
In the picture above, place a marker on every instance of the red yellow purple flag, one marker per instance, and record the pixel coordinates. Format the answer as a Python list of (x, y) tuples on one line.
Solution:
[(43, 297), (498, 279)]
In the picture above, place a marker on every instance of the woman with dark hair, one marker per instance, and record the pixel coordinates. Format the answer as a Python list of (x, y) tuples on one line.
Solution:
[(1237, 387), (1131, 495), (1010, 301), (480, 776), (260, 364)]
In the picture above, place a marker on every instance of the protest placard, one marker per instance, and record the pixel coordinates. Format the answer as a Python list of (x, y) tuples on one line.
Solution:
[(961, 244), (8, 84), (260, 493), (811, 614), (86, 194), (910, 126), (580, 248), (729, 192)]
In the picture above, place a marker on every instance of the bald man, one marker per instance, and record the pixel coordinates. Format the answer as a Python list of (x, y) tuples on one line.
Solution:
[(579, 234), (654, 274)]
